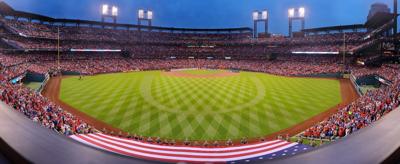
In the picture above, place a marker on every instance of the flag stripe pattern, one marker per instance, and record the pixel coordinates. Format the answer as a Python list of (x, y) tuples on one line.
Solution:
[(149, 151)]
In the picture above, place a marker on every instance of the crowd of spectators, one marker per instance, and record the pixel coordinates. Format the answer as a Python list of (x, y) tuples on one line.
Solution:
[(8, 60), (39, 109), (41, 36), (8, 73), (386, 71), (29, 28), (365, 110), (95, 63), (106, 63), (37, 30)]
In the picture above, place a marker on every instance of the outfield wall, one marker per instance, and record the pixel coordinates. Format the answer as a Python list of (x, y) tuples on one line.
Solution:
[(325, 75)]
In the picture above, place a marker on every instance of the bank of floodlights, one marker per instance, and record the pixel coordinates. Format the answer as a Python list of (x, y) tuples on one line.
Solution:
[(108, 11), (145, 15), (296, 14), (260, 16)]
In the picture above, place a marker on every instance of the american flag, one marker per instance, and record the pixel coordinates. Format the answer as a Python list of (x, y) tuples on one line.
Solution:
[(233, 154)]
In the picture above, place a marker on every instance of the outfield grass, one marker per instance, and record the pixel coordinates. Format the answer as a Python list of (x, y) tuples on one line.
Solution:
[(247, 105)]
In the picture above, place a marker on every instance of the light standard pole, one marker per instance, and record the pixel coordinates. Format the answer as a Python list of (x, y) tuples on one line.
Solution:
[(255, 18), (145, 15), (58, 50), (260, 17), (296, 14), (395, 31), (344, 52), (109, 12)]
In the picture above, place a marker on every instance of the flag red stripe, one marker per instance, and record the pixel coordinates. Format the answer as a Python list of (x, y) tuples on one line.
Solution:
[(194, 155), (188, 150)]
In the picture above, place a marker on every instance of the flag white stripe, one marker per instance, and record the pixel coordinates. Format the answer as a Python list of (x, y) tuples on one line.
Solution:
[(85, 142)]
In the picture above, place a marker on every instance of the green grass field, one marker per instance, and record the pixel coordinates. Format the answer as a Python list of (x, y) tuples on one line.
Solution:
[(247, 105)]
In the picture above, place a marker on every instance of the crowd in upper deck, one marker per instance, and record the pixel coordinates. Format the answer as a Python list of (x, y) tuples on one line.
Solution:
[(30, 35)]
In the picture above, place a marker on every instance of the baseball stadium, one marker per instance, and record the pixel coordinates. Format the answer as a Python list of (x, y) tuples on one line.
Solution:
[(84, 85)]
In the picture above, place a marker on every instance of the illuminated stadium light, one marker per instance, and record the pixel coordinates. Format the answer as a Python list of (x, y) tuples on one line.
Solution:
[(105, 10), (260, 16), (114, 11), (145, 15), (150, 15), (291, 12), (302, 12), (297, 13), (109, 12), (264, 15), (255, 15), (141, 14)]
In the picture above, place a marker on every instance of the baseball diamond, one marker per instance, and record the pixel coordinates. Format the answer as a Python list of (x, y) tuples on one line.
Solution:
[(199, 81), (200, 104)]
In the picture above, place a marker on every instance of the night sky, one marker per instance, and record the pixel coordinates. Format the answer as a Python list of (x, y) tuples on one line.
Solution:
[(208, 13)]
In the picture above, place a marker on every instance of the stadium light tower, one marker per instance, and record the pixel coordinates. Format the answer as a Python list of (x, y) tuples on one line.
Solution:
[(296, 14), (395, 25), (105, 9), (114, 11), (395, 14), (109, 12), (145, 15), (260, 16)]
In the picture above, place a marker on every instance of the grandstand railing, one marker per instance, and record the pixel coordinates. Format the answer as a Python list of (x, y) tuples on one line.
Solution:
[(353, 80), (366, 45), (47, 78), (11, 43)]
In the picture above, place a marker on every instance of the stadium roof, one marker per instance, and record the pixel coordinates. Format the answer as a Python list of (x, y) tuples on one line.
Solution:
[(374, 22), (334, 28), (7, 10), (378, 20)]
